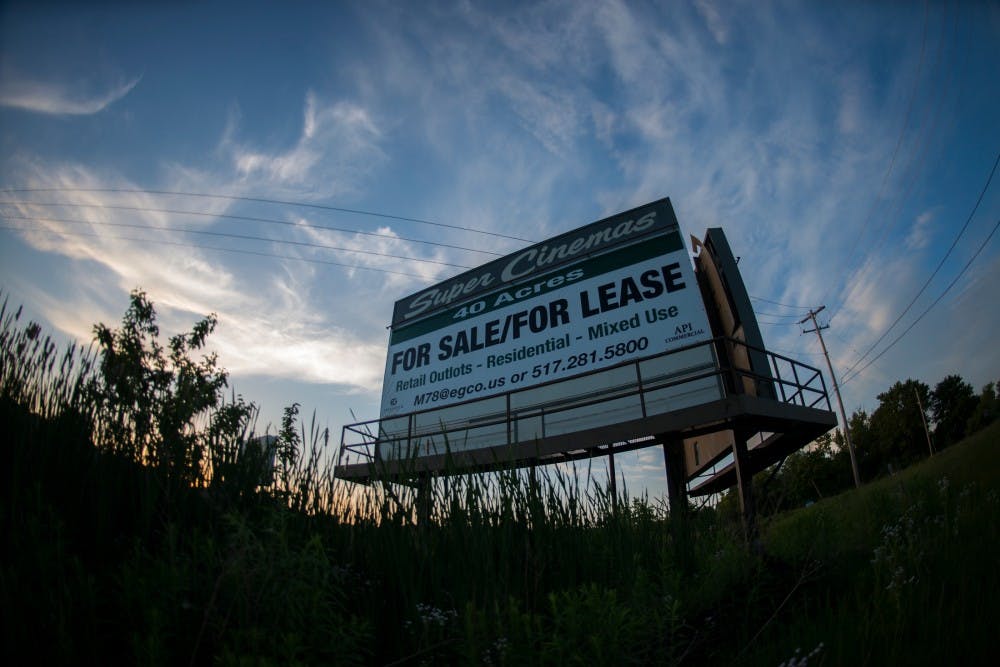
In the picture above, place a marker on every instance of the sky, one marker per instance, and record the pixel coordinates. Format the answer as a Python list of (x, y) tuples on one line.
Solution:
[(846, 149)]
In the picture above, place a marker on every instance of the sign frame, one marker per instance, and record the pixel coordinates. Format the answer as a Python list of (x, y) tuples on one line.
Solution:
[(653, 304)]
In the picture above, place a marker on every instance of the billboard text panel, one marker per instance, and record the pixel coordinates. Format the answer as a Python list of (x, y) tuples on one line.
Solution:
[(592, 311)]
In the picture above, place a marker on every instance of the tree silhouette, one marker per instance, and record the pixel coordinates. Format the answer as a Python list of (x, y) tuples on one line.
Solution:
[(952, 403), (897, 426), (152, 399), (987, 409)]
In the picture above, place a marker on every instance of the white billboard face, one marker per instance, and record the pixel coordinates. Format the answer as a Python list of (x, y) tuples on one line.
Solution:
[(631, 302)]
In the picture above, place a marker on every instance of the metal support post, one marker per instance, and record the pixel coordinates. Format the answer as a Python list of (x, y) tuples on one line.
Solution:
[(611, 478), (673, 461), (424, 500), (744, 482)]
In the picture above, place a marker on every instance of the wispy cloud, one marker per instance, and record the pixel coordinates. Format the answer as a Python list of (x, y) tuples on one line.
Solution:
[(550, 116), (267, 326), (277, 318), (713, 20), (383, 252), (61, 99), (338, 146), (920, 232)]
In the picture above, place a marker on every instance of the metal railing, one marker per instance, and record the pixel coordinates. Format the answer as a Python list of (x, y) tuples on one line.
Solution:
[(699, 373)]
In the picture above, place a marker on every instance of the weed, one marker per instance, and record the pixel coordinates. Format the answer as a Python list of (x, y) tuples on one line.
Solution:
[(143, 527)]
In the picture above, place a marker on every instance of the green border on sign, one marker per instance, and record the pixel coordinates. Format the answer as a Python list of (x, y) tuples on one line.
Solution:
[(595, 266)]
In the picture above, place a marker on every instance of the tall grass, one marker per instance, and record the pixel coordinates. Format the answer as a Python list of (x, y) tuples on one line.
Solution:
[(168, 549)]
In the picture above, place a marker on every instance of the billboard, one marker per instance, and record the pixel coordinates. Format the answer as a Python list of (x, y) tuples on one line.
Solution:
[(617, 290)]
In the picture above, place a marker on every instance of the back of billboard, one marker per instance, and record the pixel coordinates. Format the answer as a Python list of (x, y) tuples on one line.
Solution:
[(536, 328)]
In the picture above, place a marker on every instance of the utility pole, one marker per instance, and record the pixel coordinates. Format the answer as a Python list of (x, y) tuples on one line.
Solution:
[(836, 388), (923, 418)]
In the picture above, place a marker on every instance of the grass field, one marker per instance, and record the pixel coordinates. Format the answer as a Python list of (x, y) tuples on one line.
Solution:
[(901, 571), (106, 559)]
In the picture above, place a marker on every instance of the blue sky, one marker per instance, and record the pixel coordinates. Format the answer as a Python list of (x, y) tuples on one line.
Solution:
[(842, 147)]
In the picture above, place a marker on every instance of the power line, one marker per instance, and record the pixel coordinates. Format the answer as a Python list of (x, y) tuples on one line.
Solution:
[(899, 142), (265, 200), (968, 220), (918, 160), (777, 324), (777, 303), (247, 218), (936, 301), (248, 237), (785, 315), (181, 244), (846, 342), (792, 352)]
